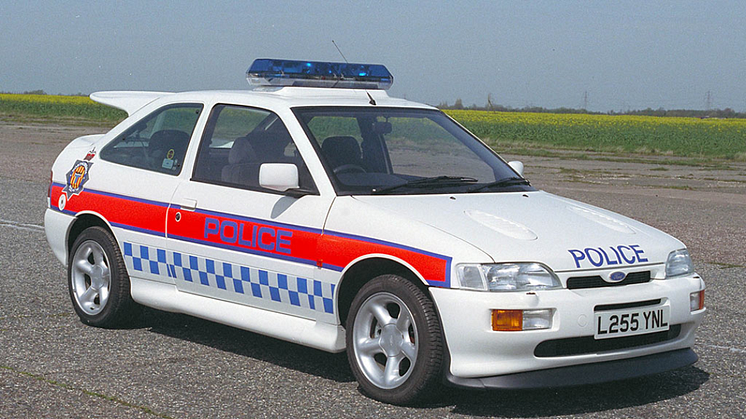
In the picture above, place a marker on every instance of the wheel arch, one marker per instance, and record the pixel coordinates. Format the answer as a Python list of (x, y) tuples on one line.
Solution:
[(82, 222), (362, 270)]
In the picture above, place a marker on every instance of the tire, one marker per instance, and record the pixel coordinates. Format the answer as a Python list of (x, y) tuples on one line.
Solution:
[(98, 282), (394, 341)]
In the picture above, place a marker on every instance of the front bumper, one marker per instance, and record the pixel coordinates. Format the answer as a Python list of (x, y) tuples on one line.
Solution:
[(583, 374), (481, 357)]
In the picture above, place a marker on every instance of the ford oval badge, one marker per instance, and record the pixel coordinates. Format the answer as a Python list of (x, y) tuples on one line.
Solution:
[(616, 277)]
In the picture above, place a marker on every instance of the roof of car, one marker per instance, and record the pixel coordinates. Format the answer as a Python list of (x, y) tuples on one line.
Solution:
[(131, 101)]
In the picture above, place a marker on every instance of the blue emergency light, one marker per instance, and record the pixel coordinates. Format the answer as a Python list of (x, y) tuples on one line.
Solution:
[(270, 72)]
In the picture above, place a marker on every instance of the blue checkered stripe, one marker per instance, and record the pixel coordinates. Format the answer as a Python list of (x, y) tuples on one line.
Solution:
[(257, 283), (148, 259)]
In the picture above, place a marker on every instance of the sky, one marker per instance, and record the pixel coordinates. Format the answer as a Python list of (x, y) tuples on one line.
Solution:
[(610, 55)]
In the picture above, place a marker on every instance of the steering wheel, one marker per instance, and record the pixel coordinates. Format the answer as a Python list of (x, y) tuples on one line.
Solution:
[(349, 168)]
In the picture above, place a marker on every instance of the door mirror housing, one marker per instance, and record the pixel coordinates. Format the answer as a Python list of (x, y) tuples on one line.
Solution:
[(278, 176), (517, 166)]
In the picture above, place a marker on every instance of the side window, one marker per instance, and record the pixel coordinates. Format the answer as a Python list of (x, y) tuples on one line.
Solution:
[(238, 140), (158, 142)]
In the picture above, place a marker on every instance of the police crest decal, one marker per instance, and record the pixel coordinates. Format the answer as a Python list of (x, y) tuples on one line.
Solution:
[(76, 178)]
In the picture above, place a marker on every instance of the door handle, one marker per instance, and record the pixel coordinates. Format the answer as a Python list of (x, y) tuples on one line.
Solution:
[(188, 204)]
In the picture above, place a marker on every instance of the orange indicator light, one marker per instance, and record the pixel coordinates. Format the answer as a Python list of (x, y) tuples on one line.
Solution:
[(507, 320)]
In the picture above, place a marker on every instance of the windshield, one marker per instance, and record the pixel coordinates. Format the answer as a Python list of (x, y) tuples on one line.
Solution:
[(403, 151)]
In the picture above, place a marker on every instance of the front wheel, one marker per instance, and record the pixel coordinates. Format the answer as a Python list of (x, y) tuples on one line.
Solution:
[(98, 282), (394, 341)]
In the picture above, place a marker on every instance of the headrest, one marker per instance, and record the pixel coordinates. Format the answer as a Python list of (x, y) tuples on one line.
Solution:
[(268, 145), (341, 150), (241, 151), (168, 138)]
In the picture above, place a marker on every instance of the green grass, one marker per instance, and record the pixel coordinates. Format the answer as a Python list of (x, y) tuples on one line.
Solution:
[(57, 110)]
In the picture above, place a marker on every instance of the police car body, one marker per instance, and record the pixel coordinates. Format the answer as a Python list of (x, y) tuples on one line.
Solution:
[(344, 219)]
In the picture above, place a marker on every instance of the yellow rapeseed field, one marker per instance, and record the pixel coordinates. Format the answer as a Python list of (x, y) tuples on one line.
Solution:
[(46, 99), (724, 138), (55, 108)]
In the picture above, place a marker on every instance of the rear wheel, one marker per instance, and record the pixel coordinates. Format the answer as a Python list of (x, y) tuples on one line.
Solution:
[(394, 341), (98, 282)]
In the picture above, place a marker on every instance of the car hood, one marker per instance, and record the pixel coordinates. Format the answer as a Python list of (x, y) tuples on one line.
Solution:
[(565, 235)]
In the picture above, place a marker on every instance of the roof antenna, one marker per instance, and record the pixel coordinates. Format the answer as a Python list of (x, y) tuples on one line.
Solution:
[(340, 51), (372, 101)]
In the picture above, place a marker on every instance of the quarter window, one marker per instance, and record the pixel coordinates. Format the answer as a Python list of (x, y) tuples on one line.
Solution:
[(158, 142)]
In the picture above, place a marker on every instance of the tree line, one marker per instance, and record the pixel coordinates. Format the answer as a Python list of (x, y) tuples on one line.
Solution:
[(689, 113)]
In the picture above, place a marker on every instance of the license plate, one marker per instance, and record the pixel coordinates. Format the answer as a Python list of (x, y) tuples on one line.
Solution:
[(630, 322)]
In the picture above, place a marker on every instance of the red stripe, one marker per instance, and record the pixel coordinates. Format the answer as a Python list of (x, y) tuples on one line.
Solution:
[(340, 251), (116, 210)]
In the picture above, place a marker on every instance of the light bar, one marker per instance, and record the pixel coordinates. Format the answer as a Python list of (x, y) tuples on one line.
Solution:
[(270, 72)]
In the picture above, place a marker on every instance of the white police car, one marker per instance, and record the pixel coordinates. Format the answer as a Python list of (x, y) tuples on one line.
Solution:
[(317, 209)]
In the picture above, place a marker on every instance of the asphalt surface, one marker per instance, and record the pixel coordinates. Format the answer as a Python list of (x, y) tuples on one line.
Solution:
[(169, 365)]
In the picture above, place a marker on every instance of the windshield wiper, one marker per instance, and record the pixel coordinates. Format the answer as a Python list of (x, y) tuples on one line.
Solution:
[(510, 181), (428, 182)]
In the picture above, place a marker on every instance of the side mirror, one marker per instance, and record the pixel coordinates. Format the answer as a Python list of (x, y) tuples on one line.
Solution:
[(278, 176), (517, 166)]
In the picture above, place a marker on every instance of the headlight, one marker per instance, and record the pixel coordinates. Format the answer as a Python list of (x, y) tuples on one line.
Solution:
[(507, 277), (679, 263)]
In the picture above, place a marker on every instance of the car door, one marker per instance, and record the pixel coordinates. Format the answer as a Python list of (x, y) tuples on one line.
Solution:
[(132, 181), (233, 240)]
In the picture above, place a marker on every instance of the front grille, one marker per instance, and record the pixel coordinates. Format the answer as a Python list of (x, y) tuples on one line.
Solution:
[(588, 345), (595, 281)]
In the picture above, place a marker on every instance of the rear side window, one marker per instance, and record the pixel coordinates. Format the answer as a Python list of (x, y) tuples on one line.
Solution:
[(158, 142), (238, 140)]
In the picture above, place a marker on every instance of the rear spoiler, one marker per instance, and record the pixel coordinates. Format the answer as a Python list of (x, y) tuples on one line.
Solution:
[(127, 101)]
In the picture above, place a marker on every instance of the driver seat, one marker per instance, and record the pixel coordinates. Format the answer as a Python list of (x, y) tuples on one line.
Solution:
[(342, 150)]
